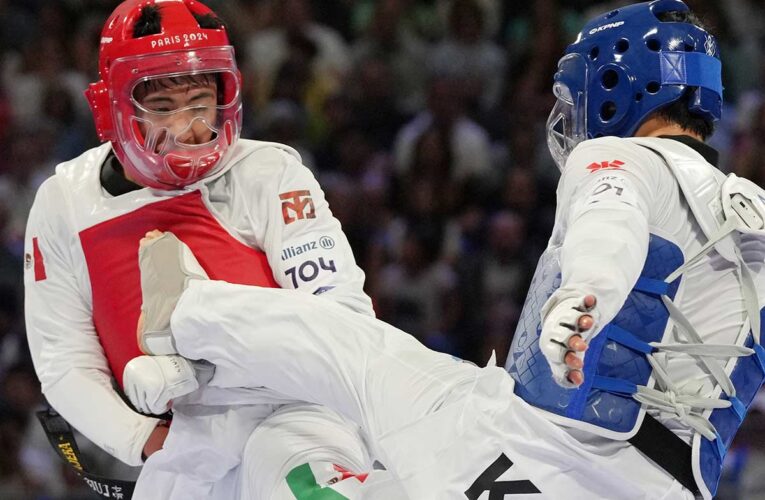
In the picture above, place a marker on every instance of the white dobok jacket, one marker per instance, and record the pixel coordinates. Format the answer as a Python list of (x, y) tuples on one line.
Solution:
[(262, 221)]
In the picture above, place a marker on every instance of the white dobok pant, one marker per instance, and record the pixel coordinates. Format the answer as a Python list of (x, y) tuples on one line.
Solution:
[(444, 429), (244, 452)]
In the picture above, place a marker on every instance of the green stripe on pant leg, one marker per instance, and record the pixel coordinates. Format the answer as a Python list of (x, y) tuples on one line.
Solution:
[(303, 485)]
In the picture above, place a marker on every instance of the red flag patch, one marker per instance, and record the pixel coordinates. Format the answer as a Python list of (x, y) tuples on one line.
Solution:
[(38, 261), (346, 474), (605, 165)]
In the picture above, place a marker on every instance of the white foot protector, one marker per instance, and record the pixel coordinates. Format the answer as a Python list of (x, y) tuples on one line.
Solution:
[(166, 265)]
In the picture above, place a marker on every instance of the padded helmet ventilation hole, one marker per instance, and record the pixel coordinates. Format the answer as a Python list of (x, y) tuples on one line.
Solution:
[(609, 79), (653, 44), (607, 111), (652, 87)]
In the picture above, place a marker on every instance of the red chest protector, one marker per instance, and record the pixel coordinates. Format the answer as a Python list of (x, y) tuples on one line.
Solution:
[(111, 253)]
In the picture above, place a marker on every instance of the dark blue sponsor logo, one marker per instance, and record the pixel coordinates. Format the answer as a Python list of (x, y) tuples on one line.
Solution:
[(309, 270), (324, 242)]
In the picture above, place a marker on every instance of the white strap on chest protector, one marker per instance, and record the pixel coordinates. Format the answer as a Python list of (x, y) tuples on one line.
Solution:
[(742, 205)]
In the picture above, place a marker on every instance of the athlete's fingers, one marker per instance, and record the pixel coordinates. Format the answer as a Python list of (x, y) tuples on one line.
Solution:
[(585, 322), (576, 377), (589, 302), (575, 343), (149, 236), (567, 325), (572, 361)]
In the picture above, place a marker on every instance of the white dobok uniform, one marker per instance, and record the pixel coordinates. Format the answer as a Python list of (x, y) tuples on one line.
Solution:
[(450, 430), (262, 221)]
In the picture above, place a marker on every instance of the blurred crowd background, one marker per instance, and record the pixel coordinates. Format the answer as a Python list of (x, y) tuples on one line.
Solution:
[(422, 119)]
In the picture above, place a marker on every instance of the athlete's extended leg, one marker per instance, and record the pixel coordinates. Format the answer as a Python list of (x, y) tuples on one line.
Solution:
[(303, 346), (446, 429), (311, 349)]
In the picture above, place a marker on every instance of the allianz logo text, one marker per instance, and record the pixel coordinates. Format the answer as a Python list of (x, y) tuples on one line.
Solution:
[(325, 242)]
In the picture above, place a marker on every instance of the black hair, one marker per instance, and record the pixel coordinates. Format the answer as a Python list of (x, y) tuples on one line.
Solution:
[(210, 22), (679, 112), (150, 22)]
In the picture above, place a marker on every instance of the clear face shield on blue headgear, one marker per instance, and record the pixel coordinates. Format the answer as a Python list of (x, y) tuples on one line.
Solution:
[(567, 123)]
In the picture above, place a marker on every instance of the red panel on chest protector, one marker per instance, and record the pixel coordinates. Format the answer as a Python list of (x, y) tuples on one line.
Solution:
[(111, 252)]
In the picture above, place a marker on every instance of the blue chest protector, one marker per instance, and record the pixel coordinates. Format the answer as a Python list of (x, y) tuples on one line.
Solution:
[(616, 363), (611, 359)]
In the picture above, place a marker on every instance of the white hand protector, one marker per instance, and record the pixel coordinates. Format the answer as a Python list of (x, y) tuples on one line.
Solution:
[(561, 321), (153, 382)]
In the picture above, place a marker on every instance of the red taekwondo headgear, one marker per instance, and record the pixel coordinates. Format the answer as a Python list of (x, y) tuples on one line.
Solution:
[(151, 153)]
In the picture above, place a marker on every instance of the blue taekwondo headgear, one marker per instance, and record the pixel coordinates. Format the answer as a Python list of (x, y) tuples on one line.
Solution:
[(626, 64)]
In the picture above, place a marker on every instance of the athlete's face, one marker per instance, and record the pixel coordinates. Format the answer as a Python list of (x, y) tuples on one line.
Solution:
[(184, 109)]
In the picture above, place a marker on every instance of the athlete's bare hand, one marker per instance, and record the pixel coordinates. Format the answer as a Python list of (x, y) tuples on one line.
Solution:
[(156, 439)]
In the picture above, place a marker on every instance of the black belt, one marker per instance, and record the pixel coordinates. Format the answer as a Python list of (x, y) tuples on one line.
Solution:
[(667, 450), (61, 438), (654, 440)]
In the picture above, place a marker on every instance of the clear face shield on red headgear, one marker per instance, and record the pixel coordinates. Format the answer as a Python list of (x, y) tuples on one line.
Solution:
[(177, 142), (567, 123), (147, 102)]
